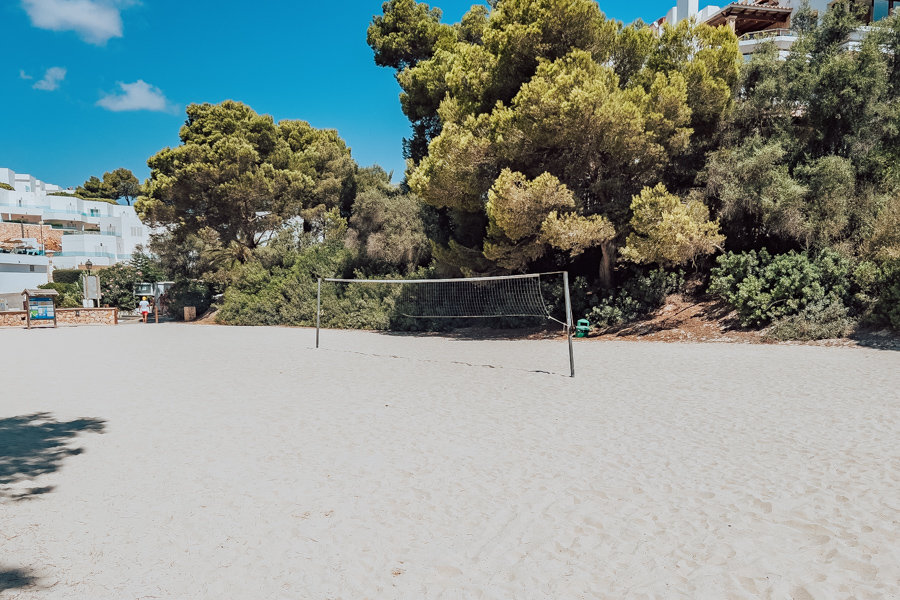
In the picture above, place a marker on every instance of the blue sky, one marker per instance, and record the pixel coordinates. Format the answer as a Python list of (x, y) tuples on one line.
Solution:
[(92, 85)]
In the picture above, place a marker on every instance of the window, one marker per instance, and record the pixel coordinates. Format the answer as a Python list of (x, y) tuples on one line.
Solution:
[(882, 8), (31, 268), (95, 212)]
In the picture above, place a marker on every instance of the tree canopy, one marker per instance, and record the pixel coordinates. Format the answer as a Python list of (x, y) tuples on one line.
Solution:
[(242, 175), (116, 184), (552, 88)]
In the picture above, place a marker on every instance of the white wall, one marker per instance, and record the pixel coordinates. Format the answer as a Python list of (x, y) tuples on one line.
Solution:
[(7, 176), (707, 12), (687, 9), (16, 272), (77, 261)]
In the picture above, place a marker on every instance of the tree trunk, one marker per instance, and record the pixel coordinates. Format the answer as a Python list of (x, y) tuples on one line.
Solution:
[(606, 263)]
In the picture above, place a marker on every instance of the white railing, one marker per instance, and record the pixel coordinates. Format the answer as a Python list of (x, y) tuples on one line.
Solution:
[(767, 33)]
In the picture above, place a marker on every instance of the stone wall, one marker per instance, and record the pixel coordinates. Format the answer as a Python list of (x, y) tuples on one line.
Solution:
[(65, 316), (12, 318), (87, 316), (52, 237)]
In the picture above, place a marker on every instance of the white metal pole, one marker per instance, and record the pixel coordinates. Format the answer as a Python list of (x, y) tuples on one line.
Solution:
[(318, 310), (569, 321)]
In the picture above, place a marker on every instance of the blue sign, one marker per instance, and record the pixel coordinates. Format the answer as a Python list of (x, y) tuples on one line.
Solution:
[(41, 309)]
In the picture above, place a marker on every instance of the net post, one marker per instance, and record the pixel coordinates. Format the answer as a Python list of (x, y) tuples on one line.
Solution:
[(569, 321), (318, 309)]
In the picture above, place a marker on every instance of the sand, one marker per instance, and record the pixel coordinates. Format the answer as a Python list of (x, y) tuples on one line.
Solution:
[(190, 461)]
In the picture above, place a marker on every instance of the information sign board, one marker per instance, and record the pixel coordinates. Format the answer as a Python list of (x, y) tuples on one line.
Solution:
[(41, 309), (92, 287)]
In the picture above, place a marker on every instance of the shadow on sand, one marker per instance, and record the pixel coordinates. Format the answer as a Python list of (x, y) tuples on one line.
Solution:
[(11, 579), (876, 339), (34, 445), (543, 332)]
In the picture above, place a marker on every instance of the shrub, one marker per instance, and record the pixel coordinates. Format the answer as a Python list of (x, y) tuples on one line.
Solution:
[(762, 287), (277, 286), (6, 186), (888, 306), (878, 292), (117, 286), (638, 296), (826, 319), (83, 197), (66, 275), (70, 295), (187, 293)]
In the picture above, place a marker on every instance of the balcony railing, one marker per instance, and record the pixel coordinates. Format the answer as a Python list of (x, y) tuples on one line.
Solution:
[(111, 255), (60, 214), (766, 34), (87, 232), (25, 251)]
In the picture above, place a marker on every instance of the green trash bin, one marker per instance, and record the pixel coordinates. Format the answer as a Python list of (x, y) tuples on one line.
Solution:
[(582, 328)]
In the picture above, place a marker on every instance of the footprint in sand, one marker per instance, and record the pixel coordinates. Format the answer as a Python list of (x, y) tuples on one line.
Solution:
[(800, 593), (765, 507)]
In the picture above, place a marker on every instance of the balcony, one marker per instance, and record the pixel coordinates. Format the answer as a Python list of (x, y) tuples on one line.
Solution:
[(782, 38), (767, 34)]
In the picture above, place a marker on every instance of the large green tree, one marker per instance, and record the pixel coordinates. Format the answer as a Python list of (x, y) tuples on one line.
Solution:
[(123, 184), (553, 87), (116, 184), (242, 176)]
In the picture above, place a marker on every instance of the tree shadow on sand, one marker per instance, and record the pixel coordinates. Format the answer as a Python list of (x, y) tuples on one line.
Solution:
[(34, 445), (11, 579)]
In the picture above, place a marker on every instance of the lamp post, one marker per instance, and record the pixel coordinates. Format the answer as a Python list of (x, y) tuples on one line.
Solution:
[(87, 265)]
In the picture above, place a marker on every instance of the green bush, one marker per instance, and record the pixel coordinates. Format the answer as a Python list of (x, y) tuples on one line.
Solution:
[(6, 186), (187, 293), (117, 286), (70, 295), (67, 276), (762, 287), (887, 308), (277, 286), (878, 295), (83, 197), (826, 319), (638, 295)]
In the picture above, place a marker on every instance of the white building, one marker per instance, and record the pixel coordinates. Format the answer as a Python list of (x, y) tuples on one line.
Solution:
[(92, 230), (758, 21)]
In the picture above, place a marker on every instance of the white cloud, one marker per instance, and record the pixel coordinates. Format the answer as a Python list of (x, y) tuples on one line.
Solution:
[(24, 75), (51, 79), (139, 95), (96, 21)]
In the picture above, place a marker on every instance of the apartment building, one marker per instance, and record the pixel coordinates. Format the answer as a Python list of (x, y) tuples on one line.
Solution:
[(43, 227)]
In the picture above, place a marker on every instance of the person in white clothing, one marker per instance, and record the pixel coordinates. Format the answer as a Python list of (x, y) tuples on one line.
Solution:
[(145, 308)]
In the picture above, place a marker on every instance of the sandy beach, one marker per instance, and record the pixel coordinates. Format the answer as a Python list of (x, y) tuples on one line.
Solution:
[(193, 462)]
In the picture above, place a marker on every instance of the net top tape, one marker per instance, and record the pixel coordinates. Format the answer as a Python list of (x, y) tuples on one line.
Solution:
[(453, 280)]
